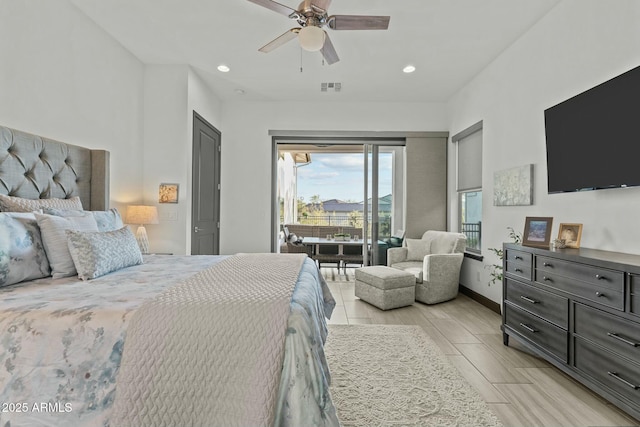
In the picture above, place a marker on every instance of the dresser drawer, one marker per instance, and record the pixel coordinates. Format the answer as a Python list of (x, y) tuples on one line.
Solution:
[(601, 277), (518, 263), (519, 270), (616, 373), (599, 294), (518, 256), (635, 304), (616, 334), (551, 307), (634, 297), (546, 335)]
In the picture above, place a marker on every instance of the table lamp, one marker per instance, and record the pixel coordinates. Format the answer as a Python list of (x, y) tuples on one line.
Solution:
[(141, 215)]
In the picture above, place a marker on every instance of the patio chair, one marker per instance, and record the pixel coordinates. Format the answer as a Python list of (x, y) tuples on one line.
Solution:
[(351, 255), (327, 253), (299, 248)]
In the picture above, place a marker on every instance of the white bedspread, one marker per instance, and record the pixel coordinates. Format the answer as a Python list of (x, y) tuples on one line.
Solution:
[(221, 358)]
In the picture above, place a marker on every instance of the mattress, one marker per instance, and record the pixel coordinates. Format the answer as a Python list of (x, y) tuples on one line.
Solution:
[(62, 343)]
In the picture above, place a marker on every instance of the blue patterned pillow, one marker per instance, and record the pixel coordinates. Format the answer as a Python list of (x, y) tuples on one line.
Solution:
[(107, 220), (98, 253), (22, 254)]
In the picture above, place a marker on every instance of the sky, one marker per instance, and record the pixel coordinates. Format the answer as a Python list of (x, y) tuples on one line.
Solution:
[(340, 176)]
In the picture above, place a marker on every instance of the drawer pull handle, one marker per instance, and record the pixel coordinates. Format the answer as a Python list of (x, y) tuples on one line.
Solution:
[(518, 257), (624, 340), (546, 279), (600, 277), (527, 299), (518, 270), (600, 294), (622, 380), (528, 328), (546, 264)]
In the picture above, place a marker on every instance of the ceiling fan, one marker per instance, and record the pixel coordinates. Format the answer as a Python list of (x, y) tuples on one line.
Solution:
[(312, 15)]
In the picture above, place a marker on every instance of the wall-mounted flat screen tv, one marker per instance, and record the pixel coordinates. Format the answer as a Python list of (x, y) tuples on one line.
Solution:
[(593, 139)]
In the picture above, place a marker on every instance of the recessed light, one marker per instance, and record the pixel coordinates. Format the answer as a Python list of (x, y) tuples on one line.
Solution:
[(409, 69), (223, 68)]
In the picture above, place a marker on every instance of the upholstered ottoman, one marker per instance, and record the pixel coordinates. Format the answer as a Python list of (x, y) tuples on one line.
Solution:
[(385, 287)]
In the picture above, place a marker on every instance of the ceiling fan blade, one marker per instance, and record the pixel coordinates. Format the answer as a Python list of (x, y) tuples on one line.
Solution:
[(328, 51), (280, 40), (322, 4), (276, 7), (358, 22)]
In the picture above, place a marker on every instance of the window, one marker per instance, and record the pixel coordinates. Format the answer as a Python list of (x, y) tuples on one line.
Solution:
[(469, 185), (471, 218)]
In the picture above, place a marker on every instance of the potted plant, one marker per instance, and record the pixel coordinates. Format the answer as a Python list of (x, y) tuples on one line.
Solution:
[(496, 269), (342, 236)]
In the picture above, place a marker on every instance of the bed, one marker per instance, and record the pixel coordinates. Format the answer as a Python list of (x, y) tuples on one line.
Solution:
[(153, 340)]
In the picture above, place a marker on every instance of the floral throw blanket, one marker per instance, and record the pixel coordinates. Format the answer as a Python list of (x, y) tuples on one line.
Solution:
[(62, 342)]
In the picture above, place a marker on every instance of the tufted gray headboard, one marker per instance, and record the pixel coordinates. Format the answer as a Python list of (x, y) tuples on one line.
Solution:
[(33, 167)]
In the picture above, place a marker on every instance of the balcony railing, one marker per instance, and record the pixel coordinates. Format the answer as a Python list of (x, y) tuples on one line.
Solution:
[(384, 228), (473, 231)]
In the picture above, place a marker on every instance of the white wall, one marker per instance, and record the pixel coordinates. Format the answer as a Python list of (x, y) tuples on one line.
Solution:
[(166, 150), (64, 78), (576, 46), (171, 94), (246, 153)]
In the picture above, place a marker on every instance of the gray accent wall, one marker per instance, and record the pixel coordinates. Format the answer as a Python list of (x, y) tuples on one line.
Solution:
[(426, 185)]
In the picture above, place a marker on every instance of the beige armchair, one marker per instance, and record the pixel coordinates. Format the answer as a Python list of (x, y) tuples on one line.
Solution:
[(435, 260)]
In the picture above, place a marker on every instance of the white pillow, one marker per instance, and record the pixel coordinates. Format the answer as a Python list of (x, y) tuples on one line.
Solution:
[(54, 238), (417, 249), (18, 204), (107, 220), (98, 253)]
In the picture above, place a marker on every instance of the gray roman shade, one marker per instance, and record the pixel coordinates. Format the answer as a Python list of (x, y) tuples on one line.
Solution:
[(469, 144)]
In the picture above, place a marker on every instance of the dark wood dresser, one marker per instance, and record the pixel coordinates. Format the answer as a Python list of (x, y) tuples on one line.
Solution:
[(580, 310)]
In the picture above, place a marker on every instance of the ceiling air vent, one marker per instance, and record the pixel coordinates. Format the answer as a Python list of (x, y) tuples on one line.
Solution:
[(330, 87)]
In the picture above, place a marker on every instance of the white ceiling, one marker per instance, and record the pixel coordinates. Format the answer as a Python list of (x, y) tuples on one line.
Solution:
[(449, 41)]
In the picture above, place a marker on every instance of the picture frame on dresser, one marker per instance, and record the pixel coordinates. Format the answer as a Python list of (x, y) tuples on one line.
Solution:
[(571, 234), (537, 231)]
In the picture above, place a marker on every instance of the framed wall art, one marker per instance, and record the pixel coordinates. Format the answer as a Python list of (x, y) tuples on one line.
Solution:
[(571, 234), (168, 193), (513, 187), (537, 231)]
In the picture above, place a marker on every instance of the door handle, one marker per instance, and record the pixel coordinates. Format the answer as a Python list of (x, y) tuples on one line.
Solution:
[(196, 229)]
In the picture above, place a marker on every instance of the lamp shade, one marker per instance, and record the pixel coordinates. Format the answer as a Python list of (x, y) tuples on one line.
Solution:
[(139, 214), (311, 38)]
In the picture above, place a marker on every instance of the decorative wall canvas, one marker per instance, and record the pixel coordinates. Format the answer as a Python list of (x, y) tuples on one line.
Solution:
[(168, 193), (513, 187)]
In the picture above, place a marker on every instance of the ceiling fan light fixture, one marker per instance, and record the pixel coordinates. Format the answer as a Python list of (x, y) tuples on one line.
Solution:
[(311, 38)]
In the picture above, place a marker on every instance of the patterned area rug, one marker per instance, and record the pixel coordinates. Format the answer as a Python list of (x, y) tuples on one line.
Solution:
[(388, 375)]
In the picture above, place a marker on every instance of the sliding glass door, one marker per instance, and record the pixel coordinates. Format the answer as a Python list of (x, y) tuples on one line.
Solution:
[(384, 170), (351, 185)]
